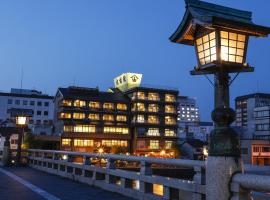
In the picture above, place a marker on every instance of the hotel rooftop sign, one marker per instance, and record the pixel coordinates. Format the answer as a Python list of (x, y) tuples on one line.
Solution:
[(127, 81)]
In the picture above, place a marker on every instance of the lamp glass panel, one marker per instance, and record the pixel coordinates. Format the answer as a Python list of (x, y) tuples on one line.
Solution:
[(232, 46), (206, 48), (21, 120)]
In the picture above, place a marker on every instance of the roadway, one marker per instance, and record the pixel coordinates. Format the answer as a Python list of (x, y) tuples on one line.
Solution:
[(24, 183)]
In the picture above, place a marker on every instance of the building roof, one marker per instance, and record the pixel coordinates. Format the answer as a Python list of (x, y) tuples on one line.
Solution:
[(206, 123), (202, 14), (84, 93), (253, 95), (158, 89), (35, 96)]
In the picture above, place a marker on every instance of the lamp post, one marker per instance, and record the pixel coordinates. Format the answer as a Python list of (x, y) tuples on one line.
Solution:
[(21, 122), (220, 36)]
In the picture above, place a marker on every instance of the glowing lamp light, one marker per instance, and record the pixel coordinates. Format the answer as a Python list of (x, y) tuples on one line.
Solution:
[(100, 150), (64, 157), (221, 46), (21, 120), (162, 153)]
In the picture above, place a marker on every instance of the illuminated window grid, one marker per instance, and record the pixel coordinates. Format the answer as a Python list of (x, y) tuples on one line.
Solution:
[(169, 120), (66, 142), (94, 104), (169, 132), (110, 143), (154, 144), (232, 46), (121, 118), (65, 115), (94, 116), (108, 106), (153, 132), (153, 96), (78, 115), (170, 98), (108, 118), (206, 47), (121, 106), (152, 119), (79, 103), (153, 108), (84, 129), (168, 144), (169, 109), (118, 130), (83, 143)]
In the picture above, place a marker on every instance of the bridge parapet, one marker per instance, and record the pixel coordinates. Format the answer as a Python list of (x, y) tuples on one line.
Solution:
[(116, 173), (107, 172)]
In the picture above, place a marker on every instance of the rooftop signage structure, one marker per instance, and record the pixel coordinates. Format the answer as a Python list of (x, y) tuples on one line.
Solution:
[(127, 81)]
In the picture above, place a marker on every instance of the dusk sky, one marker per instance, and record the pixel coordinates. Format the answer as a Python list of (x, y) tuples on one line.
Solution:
[(89, 42)]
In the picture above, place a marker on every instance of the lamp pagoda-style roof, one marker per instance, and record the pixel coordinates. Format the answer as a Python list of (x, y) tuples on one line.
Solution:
[(211, 16)]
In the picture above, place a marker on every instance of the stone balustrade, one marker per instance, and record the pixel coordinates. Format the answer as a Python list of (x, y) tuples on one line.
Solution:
[(142, 184)]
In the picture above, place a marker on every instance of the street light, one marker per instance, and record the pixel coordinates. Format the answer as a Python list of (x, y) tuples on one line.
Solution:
[(21, 122), (220, 36)]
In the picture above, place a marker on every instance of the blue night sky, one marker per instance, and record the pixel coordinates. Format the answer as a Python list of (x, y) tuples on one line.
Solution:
[(89, 42)]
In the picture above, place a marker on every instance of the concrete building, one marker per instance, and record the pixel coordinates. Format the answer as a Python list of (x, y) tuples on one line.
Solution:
[(187, 109), (39, 107), (90, 120), (141, 119), (253, 119)]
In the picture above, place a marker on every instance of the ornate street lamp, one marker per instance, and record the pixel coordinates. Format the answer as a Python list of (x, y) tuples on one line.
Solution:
[(21, 122), (220, 36)]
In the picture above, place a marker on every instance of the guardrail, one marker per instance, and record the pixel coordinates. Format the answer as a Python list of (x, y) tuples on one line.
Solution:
[(102, 170), (140, 185)]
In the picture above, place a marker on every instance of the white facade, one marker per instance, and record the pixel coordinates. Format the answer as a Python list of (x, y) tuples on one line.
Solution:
[(187, 110), (39, 105)]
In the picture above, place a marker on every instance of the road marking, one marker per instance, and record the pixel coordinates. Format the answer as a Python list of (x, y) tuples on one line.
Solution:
[(32, 187)]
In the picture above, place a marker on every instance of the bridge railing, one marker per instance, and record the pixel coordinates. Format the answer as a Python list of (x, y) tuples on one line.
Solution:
[(102, 170), (141, 184)]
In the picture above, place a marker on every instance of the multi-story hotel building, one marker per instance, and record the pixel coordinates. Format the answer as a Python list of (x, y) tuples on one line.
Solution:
[(140, 120), (153, 120), (253, 120), (90, 120)]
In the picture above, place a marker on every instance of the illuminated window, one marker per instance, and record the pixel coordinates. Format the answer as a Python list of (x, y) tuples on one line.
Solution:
[(153, 96), (154, 144), (68, 128), (117, 130), (170, 132), (109, 106), (78, 115), (170, 120), (83, 143), (65, 115), (121, 106), (152, 119), (206, 48), (170, 98), (140, 107), (79, 103), (140, 95), (84, 128), (110, 143), (168, 144), (153, 108), (121, 118), (66, 142), (94, 104), (94, 116), (232, 46), (169, 109), (140, 118), (153, 132), (108, 117), (67, 102)]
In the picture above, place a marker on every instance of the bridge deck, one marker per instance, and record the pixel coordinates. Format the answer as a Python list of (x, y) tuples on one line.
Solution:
[(26, 183)]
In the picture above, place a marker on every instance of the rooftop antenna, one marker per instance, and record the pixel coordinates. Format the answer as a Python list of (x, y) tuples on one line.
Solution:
[(21, 78)]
